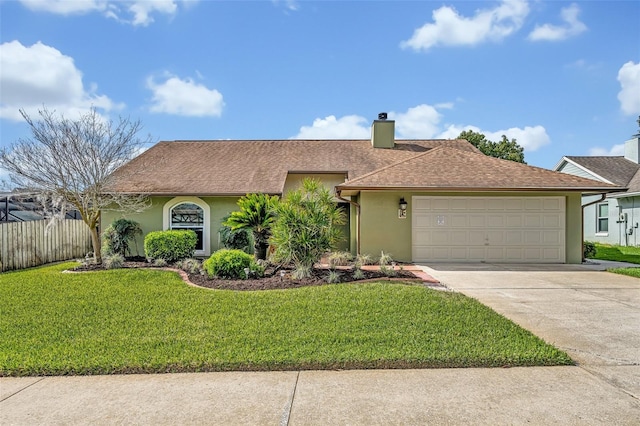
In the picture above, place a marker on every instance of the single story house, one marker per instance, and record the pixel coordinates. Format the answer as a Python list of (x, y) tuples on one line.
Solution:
[(419, 200), (610, 218)]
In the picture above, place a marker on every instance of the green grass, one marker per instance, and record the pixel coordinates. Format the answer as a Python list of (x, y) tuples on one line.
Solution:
[(628, 254), (134, 321), (632, 272), (617, 253)]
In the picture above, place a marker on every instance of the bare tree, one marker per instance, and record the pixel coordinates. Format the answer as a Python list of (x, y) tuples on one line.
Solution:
[(71, 163)]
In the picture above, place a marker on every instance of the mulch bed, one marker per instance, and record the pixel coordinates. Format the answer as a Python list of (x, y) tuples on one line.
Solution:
[(271, 281)]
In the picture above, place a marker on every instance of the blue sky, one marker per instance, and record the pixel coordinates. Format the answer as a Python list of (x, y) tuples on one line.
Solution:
[(563, 78)]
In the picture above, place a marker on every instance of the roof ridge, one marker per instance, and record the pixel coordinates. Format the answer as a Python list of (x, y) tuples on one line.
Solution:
[(399, 162)]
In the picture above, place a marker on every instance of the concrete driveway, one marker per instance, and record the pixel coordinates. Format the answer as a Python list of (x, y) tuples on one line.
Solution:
[(591, 314)]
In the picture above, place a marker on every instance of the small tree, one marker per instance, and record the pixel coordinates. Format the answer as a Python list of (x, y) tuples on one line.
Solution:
[(505, 149), (257, 213), (71, 162), (307, 226)]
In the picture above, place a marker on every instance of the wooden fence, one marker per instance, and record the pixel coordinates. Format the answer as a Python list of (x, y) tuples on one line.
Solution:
[(33, 243)]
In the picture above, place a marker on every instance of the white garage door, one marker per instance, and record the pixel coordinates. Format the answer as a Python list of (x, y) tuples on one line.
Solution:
[(488, 229)]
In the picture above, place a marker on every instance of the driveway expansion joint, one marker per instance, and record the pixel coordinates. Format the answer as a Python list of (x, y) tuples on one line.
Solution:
[(20, 390)]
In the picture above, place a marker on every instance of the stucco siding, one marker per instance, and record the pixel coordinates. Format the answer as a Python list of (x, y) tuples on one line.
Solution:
[(381, 229), (152, 218)]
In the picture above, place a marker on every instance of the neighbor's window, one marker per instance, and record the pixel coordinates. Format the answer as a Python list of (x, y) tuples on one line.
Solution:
[(189, 216), (602, 217)]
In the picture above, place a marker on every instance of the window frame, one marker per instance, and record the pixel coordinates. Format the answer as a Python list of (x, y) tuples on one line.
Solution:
[(206, 220), (600, 218)]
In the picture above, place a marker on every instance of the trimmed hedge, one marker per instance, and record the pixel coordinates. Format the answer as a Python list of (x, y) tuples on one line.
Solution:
[(171, 246), (231, 263)]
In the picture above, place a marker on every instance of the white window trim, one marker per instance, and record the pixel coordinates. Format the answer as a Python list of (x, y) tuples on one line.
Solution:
[(598, 232), (206, 231)]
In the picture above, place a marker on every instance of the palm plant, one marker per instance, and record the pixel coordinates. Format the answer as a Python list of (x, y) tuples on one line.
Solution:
[(119, 236), (257, 213), (307, 226)]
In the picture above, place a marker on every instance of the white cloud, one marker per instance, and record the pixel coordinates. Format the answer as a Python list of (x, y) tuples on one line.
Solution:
[(290, 5), (38, 75), (347, 127), (629, 95), (530, 138), (451, 29), (572, 26), (419, 122), (66, 7), (185, 97), (138, 12), (616, 150)]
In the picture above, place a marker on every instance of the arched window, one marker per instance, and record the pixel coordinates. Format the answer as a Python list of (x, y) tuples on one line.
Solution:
[(189, 213)]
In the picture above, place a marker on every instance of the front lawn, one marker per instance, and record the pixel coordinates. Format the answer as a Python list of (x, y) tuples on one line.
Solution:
[(134, 321), (617, 253)]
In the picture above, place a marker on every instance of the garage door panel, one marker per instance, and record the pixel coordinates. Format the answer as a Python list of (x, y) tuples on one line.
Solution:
[(459, 221), (513, 221), (459, 238), (497, 229), (532, 221), (495, 254), (532, 204), (440, 204), (476, 238), (494, 221), (513, 204), (474, 204), (552, 221), (513, 237), (440, 237), (476, 221)]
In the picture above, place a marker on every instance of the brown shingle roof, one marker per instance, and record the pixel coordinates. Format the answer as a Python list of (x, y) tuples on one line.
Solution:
[(454, 169), (240, 167), (243, 166), (618, 170)]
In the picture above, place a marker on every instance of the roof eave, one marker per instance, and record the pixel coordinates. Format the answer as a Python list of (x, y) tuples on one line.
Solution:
[(594, 190)]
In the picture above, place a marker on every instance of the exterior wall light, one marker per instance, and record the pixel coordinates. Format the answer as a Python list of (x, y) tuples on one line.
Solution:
[(402, 210)]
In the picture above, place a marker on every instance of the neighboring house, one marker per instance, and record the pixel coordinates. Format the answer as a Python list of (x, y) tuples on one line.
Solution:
[(17, 207), (613, 218), (419, 200)]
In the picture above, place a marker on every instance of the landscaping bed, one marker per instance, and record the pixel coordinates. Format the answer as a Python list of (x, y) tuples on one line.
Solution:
[(272, 280)]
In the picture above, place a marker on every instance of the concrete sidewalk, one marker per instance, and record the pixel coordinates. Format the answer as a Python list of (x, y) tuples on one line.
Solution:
[(594, 316), (537, 395)]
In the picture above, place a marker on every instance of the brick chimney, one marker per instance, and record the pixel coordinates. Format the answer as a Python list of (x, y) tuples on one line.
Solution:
[(383, 132)]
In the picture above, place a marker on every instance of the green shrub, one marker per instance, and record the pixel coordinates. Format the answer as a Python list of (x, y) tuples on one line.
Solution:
[(118, 236), (589, 249), (192, 266), (333, 277), (160, 263), (240, 239), (363, 259), (170, 245), (340, 258), (385, 259), (358, 274), (113, 261), (231, 263)]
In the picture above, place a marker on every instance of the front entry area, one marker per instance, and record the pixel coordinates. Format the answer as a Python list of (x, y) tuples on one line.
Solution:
[(488, 229)]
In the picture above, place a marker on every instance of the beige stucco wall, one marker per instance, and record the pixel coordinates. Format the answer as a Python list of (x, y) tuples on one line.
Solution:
[(381, 229)]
